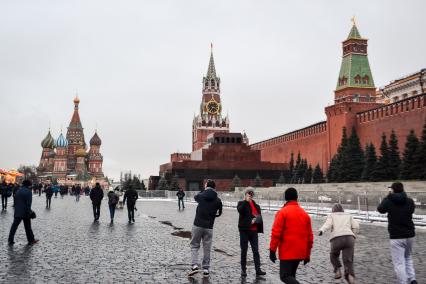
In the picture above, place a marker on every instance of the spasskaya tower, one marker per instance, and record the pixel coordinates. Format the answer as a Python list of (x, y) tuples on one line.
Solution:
[(210, 119)]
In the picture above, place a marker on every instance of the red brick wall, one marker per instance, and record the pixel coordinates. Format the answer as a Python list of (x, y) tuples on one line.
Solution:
[(311, 142)]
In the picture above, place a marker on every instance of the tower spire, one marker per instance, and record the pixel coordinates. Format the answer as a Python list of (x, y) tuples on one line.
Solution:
[(211, 71)]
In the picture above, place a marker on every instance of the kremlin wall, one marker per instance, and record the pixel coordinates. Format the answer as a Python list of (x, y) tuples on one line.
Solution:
[(228, 157)]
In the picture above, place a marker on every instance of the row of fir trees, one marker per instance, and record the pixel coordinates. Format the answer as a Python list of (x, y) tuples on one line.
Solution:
[(352, 163)]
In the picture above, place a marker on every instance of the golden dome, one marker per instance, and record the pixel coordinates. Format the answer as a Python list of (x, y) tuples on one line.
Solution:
[(80, 153)]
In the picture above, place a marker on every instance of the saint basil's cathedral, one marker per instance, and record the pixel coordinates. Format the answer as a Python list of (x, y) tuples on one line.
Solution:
[(67, 160)]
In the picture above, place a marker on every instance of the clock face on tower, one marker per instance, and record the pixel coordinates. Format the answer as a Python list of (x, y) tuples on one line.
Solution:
[(212, 107)]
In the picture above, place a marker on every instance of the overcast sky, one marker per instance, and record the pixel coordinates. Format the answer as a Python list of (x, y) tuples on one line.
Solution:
[(138, 67)]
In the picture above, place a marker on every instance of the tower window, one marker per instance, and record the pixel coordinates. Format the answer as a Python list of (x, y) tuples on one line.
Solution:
[(365, 79), (357, 79)]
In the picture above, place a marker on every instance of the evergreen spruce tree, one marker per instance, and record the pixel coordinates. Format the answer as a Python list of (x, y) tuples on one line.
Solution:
[(291, 166), (381, 170), (394, 158), (281, 179), (341, 159), (420, 157), (370, 162), (236, 182), (296, 170), (257, 181), (409, 167), (143, 187), (317, 175), (162, 184), (127, 184), (307, 177), (332, 173), (174, 184), (354, 159), (136, 183)]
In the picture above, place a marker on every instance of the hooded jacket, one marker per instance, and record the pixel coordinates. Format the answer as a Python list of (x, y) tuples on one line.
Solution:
[(112, 198), (209, 207), (400, 209)]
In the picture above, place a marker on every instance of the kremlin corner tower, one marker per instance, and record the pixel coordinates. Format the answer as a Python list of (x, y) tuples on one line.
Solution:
[(66, 159)]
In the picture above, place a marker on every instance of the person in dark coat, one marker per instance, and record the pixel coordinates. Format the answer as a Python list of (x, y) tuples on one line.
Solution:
[(208, 209), (77, 192), (13, 187), (131, 195), (112, 203), (400, 209), (180, 195), (5, 192), (250, 223), (48, 191), (96, 195), (23, 212)]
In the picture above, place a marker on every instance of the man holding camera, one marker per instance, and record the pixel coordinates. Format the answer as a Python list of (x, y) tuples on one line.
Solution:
[(250, 223)]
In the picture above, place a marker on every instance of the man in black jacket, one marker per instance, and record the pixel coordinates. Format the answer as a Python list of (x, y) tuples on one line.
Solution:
[(48, 191), (209, 207), (180, 195), (400, 209), (23, 200), (96, 195), (131, 195), (250, 223)]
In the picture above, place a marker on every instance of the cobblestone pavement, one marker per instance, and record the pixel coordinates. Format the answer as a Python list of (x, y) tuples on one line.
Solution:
[(73, 249)]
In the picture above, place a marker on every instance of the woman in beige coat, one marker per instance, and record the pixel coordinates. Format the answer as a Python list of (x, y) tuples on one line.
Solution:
[(343, 228)]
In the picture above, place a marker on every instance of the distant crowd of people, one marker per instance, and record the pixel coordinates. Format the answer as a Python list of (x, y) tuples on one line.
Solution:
[(291, 232)]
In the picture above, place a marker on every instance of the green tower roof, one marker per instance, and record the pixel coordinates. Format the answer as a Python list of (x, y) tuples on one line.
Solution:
[(354, 33)]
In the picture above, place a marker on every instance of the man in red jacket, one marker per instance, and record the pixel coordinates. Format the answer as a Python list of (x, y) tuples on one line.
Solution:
[(292, 235)]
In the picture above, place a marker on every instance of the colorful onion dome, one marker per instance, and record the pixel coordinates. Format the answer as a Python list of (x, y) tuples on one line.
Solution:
[(80, 153), (61, 141), (95, 140), (48, 141)]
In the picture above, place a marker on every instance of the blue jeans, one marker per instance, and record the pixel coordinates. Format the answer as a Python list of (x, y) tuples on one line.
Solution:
[(112, 211)]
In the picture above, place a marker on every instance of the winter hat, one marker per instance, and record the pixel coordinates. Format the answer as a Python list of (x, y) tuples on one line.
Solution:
[(249, 190), (337, 208), (397, 187), (290, 194)]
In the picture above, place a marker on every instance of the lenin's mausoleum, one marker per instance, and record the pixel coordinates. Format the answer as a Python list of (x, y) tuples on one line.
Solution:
[(216, 153)]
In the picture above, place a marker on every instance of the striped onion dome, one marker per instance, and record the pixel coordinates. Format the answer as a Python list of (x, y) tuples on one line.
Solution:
[(48, 141), (61, 141)]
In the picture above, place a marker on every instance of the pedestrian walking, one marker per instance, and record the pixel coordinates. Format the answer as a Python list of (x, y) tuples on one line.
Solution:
[(6, 192), (48, 191), (40, 187), (400, 209), (14, 188), (292, 235), (23, 212), (343, 229), (55, 189), (180, 195), (96, 195), (131, 195), (209, 207), (77, 192), (250, 223), (112, 203)]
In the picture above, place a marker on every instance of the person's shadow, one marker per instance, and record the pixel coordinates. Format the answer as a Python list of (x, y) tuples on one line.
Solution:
[(19, 260)]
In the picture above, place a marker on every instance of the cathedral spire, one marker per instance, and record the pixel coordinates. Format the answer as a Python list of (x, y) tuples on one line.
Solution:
[(354, 33), (211, 71)]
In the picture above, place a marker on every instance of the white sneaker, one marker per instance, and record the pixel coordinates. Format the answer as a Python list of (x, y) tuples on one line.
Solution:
[(206, 273), (194, 270)]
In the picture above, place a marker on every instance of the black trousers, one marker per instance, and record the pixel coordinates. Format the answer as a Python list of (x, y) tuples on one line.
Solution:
[(245, 238), (131, 211), (96, 210), (3, 201), (180, 200), (288, 270), (28, 230), (48, 201)]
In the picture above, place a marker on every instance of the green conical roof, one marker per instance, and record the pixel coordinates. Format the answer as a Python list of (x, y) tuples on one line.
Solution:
[(211, 71), (354, 33)]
